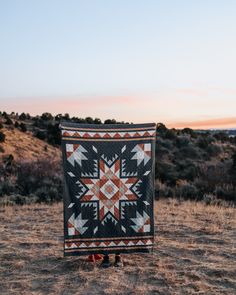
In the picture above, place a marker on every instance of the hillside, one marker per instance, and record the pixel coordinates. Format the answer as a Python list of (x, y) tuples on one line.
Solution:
[(24, 146), (194, 253)]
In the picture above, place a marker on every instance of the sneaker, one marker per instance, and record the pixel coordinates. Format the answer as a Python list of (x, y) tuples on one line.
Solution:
[(97, 256), (91, 258), (118, 261), (105, 262)]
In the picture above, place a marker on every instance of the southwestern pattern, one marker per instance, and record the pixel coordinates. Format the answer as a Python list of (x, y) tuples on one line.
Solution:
[(109, 177)]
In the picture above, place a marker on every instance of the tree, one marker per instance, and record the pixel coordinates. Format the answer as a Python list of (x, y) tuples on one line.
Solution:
[(66, 117), (22, 116), (89, 120), (110, 121), (161, 128), (58, 117), (46, 116), (97, 121)]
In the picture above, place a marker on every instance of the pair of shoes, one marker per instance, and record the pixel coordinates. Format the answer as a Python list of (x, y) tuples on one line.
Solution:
[(94, 257), (106, 262)]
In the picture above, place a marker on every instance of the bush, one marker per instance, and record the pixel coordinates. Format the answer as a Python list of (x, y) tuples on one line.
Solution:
[(214, 150), (22, 116), (166, 172), (187, 170), (186, 190), (8, 121), (42, 178), (7, 187), (46, 117), (182, 141), (40, 134), (23, 127), (189, 151), (162, 190), (2, 136), (54, 134)]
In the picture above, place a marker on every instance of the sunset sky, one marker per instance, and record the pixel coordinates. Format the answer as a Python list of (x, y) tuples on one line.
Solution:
[(170, 61)]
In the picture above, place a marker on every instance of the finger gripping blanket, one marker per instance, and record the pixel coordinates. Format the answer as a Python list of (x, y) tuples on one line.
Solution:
[(108, 187)]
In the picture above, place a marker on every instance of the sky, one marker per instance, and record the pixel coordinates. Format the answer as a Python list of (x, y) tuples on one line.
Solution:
[(170, 61)]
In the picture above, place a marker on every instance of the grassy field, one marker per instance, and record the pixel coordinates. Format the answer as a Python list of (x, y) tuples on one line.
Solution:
[(195, 253)]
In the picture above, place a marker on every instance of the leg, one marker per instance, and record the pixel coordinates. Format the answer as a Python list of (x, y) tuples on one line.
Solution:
[(118, 260), (106, 261)]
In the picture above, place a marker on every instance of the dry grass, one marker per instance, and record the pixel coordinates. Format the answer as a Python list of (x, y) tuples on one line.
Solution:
[(22, 145), (194, 254)]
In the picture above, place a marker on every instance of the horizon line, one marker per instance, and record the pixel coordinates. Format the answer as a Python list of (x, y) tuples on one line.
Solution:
[(209, 124)]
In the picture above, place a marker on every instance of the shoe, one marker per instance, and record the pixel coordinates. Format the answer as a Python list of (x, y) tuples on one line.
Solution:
[(97, 256), (118, 261), (91, 258), (105, 262)]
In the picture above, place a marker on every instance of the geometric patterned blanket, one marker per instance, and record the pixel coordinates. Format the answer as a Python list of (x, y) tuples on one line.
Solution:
[(108, 187)]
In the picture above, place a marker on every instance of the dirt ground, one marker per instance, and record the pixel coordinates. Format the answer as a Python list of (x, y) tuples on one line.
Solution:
[(195, 253)]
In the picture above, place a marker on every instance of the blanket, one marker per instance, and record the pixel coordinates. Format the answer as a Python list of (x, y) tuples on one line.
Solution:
[(108, 187)]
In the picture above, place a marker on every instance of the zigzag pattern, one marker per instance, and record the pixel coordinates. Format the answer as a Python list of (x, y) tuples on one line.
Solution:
[(109, 162), (123, 172), (109, 244), (91, 174), (82, 189), (123, 134), (91, 204), (123, 204)]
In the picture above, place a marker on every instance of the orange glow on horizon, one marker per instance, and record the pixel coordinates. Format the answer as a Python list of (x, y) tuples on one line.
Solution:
[(206, 124)]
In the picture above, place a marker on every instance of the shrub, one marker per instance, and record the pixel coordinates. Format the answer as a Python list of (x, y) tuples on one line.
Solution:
[(166, 172), (226, 192), (7, 187), (42, 178), (182, 141), (187, 170), (54, 134), (23, 127), (46, 117), (189, 151), (214, 150), (162, 190), (40, 134), (8, 121), (22, 116), (2, 136), (186, 190)]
